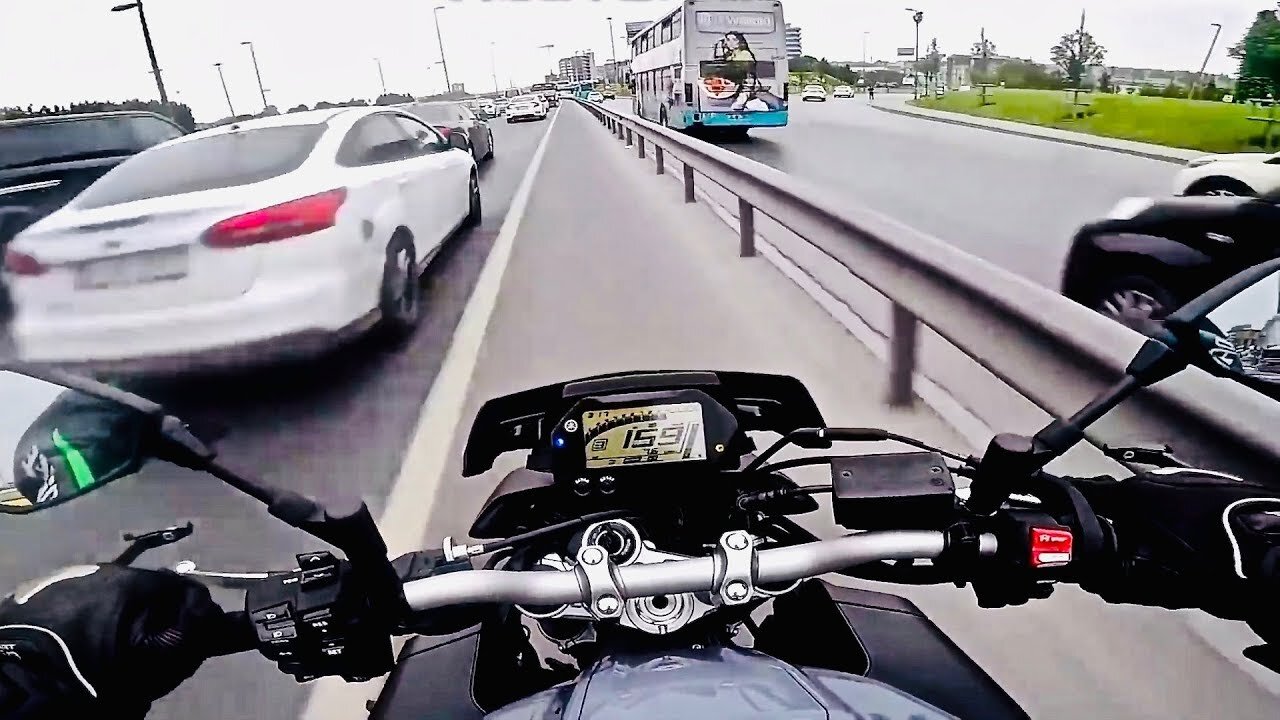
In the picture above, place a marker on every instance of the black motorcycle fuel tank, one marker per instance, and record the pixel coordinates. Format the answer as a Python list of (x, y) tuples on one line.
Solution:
[(716, 682)]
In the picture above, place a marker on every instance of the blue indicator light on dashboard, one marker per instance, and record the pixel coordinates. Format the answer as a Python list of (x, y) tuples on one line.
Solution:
[(559, 442)]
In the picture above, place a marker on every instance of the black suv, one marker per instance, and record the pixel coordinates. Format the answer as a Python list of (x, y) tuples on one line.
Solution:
[(46, 161), (1152, 255)]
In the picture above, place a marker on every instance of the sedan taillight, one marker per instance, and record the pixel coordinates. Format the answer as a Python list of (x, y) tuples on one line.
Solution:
[(296, 217), (20, 263)]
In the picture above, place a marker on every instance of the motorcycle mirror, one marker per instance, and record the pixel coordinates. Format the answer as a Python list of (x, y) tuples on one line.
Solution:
[(58, 442), (1233, 331)]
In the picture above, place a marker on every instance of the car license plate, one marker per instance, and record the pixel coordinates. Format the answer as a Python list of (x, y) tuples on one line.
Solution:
[(133, 269)]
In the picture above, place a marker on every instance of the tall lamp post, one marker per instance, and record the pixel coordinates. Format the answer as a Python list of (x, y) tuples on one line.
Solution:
[(225, 92), (151, 50), (1217, 30), (493, 66), (613, 54), (865, 34), (381, 78), (257, 73), (548, 48), (918, 17), (448, 86)]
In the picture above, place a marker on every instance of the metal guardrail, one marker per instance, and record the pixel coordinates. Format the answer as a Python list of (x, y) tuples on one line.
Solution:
[(1052, 351)]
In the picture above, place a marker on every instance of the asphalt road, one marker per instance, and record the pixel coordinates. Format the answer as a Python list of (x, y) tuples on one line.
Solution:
[(1011, 200), (329, 427), (663, 288)]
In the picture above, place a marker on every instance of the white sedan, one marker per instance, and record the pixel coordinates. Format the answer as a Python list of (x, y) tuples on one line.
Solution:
[(271, 237), (842, 91), (595, 97), (526, 107), (1230, 174), (813, 93)]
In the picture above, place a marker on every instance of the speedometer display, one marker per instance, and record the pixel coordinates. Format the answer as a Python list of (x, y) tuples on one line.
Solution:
[(639, 435)]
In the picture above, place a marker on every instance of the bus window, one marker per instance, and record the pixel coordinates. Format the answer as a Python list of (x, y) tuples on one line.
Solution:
[(666, 31), (677, 26)]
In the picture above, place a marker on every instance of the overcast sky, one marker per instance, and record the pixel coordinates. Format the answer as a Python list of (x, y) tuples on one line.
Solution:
[(59, 51)]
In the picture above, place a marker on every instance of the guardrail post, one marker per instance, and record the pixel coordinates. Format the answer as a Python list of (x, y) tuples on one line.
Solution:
[(628, 137), (746, 229), (640, 146), (688, 183), (658, 158), (902, 356)]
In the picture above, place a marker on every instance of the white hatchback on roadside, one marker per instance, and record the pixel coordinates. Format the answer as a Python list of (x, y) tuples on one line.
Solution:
[(235, 245)]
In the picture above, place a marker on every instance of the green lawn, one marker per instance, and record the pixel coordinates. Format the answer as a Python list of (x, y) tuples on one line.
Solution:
[(1194, 124)]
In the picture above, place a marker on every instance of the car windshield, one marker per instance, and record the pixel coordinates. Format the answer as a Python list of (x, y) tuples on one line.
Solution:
[(435, 113), (42, 142), (205, 163)]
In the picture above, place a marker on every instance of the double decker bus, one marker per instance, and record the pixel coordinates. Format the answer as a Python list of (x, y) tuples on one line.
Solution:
[(718, 64)]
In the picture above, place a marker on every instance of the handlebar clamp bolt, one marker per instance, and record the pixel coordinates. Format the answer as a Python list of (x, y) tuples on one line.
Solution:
[(738, 541), (736, 590), (592, 556), (607, 605)]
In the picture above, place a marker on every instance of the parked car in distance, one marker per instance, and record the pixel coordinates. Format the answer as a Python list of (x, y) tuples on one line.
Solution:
[(596, 97), (526, 107), (1246, 174), (842, 91), (46, 161), (453, 117), (1150, 256), (813, 93), (267, 238), (609, 95)]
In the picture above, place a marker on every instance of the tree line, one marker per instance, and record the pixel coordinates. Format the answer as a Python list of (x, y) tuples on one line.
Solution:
[(178, 112)]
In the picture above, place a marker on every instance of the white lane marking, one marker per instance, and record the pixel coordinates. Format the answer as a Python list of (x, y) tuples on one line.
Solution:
[(408, 507)]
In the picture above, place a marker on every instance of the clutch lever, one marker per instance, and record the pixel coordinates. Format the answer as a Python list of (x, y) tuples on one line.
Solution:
[(139, 544), (231, 580)]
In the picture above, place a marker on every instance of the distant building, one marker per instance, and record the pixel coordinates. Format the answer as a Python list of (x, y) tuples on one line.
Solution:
[(615, 72), (635, 28), (458, 88), (794, 47), (578, 67)]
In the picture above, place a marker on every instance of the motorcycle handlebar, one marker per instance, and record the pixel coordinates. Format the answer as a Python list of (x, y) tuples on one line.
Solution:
[(704, 574)]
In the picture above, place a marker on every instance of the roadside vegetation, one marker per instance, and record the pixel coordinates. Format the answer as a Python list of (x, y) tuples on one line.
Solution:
[(1193, 124)]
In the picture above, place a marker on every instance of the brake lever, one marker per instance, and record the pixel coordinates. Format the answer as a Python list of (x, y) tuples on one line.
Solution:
[(1161, 457), (139, 544), (233, 580)]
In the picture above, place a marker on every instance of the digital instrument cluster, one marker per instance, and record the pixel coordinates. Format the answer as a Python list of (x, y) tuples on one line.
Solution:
[(635, 435)]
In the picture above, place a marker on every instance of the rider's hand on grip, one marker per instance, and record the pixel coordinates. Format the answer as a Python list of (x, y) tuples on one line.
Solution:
[(113, 639), (1191, 538)]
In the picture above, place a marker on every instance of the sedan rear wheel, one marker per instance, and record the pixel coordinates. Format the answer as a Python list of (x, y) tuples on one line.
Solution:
[(1136, 301), (1222, 187), (400, 304), (474, 206)]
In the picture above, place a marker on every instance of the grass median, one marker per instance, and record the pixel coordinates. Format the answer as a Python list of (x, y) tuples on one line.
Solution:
[(1192, 124)]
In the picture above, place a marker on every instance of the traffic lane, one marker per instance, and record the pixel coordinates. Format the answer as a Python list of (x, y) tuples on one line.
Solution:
[(1012, 200), (660, 287), (333, 426)]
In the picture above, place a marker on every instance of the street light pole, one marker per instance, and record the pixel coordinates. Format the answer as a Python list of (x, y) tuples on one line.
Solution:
[(548, 48), (865, 34), (613, 54), (918, 17), (493, 66), (151, 50), (448, 86), (225, 92), (1217, 30), (381, 78), (257, 73)]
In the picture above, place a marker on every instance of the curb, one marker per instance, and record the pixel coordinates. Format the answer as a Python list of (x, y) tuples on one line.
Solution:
[(1065, 141)]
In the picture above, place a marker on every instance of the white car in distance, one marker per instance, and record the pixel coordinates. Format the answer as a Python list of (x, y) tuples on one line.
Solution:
[(526, 107), (813, 93), (842, 91), (1241, 174), (595, 97), (268, 238)]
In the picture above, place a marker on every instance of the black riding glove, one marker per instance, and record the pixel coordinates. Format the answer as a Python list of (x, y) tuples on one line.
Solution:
[(102, 639), (1191, 539)]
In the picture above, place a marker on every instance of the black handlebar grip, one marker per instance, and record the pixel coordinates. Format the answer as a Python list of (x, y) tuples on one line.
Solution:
[(237, 636)]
